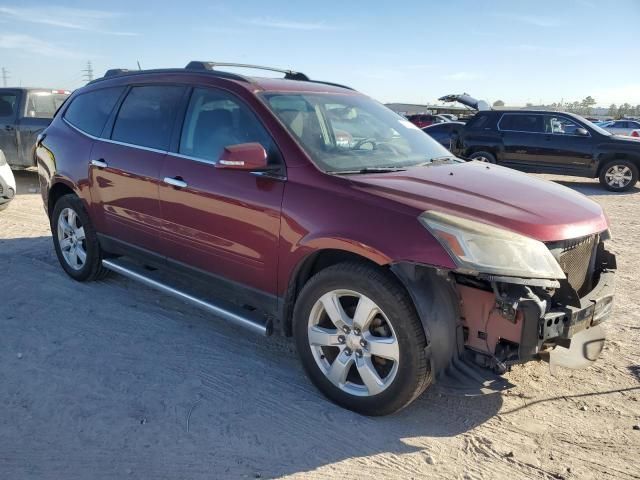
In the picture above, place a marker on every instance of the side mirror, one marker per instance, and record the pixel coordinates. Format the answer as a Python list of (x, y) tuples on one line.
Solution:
[(582, 132), (244, 156)]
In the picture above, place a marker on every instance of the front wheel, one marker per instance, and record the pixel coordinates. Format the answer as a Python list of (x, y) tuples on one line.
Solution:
[(360, 340), (619, 175)]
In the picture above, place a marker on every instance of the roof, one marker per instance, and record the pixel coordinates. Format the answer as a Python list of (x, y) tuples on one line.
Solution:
[(292, 81)]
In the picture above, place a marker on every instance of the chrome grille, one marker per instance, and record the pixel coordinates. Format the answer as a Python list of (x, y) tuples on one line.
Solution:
[(575, 258)]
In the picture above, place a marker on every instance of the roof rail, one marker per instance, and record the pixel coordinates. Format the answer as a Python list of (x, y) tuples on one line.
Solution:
[(112, 72), (288, 74)]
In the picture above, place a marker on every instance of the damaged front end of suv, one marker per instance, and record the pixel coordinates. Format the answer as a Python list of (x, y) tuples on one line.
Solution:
[(521, 299)]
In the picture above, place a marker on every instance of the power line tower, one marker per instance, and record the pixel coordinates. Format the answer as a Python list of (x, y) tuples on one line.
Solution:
[(5, 76), (88, 72)]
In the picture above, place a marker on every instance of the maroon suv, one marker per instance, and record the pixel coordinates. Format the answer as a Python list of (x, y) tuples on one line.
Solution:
[(308, 209)]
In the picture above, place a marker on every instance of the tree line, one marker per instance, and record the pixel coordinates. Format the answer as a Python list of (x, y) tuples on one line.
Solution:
[(585, 107)]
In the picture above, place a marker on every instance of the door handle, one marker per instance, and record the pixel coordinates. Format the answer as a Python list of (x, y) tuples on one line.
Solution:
[(175, 182), (9, 128), (100, 163)]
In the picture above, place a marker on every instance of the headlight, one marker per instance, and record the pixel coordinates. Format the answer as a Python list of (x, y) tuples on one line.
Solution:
[(478, 247)]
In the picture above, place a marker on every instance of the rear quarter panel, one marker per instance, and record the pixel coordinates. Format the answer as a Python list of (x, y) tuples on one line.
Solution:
[(63, 156)]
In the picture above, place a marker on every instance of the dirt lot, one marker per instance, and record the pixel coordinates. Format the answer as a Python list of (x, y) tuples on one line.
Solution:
[(112, 380)]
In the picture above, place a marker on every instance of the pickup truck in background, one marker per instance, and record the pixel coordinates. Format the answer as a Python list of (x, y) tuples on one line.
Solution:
[(24, 113)]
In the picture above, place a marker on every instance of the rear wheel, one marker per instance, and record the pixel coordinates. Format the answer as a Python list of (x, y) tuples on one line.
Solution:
[(75, 240), (619, 175), (486, 157), (360, 339)]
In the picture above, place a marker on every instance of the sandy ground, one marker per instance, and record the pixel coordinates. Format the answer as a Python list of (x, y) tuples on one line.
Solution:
[(112, 380)]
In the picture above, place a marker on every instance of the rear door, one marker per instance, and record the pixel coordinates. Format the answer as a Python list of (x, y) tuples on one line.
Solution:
[(523, 140), (9, 105), (224, 222), (126, 164)]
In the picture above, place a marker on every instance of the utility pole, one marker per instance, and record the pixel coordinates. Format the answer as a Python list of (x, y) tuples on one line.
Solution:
[(5, 76), (88, 72)]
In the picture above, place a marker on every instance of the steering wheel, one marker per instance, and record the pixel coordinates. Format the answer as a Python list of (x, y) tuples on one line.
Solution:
[(364, 141)]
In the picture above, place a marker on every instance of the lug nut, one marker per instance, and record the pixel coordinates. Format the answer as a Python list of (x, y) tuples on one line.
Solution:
[(359, 353), (356, 331), (347, 352), (346, 329), (341, 339), (363, 343)]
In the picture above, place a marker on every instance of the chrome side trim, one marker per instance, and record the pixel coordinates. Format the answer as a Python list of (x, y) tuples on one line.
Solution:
[(230, 316), (108, 140)]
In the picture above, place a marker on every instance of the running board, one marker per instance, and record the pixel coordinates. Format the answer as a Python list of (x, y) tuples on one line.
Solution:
[(222, 309)]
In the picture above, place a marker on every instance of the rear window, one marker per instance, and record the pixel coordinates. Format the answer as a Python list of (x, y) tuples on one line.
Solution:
[(8, 104), (147, 115), (522, 123), (478, 122), (44, 104), (89, 111)]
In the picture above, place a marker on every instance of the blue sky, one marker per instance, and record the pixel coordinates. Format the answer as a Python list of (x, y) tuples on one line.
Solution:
[(407, 51)]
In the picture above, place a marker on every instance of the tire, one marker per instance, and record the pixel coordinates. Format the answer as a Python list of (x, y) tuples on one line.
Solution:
[(83, 270), (619, 175), (403, 380), (482, 156)]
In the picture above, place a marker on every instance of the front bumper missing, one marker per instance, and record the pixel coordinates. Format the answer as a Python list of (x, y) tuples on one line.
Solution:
[(516, 323), (595, 307)]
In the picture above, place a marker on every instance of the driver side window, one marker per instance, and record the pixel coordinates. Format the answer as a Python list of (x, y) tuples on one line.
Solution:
[(215, 120)]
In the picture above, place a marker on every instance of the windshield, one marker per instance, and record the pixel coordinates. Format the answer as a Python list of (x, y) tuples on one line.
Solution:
[(347, 133), (44, 104), (595, 127)]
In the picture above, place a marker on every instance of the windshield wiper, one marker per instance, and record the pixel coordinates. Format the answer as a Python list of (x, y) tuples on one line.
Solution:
[(367, 170)]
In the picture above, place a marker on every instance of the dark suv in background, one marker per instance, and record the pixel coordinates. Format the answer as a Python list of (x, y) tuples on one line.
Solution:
[(24, 113), (306, 208), (547, 142)]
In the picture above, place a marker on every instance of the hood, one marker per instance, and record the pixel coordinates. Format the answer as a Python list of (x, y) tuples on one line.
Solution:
[(495, 195), (466, 100), (627, 140)]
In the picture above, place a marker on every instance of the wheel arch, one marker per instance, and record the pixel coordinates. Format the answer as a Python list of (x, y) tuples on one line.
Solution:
[(57, 190), (306, 268), (610, 156)]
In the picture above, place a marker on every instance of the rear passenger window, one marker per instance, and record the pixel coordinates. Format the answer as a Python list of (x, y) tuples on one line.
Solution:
[(8, 104), (89, 112), (215, 120), (147, 115), (522, 123), (478, 122)]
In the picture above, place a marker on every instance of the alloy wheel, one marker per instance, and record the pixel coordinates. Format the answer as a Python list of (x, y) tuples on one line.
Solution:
[(71, 238), (353, 343), (618, 176)]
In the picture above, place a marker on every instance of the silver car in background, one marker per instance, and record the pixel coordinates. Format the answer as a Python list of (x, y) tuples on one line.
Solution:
[(621, 127)]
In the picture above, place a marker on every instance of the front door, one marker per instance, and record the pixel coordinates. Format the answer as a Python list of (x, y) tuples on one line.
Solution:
[(9, 106), (223, 222), (564, 149), (125, 166)]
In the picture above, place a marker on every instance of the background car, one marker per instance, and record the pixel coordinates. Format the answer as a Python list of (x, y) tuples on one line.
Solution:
[(24, 113), (7, 183), (621, 127), (550, 142), (422, 120), (444, 133)]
